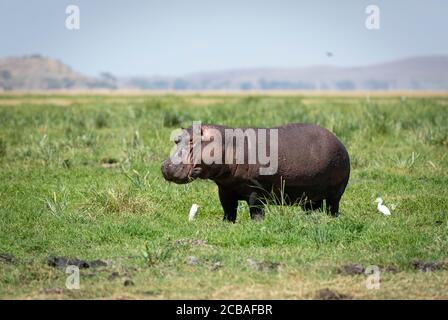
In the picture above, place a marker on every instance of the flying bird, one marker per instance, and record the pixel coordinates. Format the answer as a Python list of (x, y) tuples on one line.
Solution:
[(382, 208)]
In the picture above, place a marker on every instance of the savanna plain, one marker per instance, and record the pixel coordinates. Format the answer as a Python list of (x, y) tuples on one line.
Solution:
[(80, 183)]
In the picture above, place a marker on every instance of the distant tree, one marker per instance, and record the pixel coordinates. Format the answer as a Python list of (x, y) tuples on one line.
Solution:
[(246, 86), (376, 85), (180, 84), (5, 74), (345, 85), (52, 83), (108, 76), (106, 80)]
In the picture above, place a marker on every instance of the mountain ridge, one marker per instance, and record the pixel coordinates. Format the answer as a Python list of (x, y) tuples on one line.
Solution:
[(35, 72)]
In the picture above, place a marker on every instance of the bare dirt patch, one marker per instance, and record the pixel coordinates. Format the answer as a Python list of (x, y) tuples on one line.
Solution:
[(7, 258), (351, 269), (263, 265), (428, 266), (62, 262), (327, 294)]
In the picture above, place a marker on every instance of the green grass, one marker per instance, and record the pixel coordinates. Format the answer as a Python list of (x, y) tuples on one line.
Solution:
[(80, 177)]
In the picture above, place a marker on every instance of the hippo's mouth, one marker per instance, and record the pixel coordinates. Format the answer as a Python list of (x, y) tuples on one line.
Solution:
[(194, 173), (182, 173)]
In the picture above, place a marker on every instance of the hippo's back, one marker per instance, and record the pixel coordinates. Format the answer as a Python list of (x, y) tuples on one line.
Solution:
[(309, 154)]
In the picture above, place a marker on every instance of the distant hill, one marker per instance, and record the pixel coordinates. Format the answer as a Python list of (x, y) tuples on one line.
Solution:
[(36, 72), (419, 73)]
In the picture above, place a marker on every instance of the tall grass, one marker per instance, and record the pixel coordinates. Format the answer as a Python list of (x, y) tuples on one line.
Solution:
[(83, 180)]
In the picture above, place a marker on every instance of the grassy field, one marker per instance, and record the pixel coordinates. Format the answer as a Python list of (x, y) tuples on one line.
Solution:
[(80, 178)]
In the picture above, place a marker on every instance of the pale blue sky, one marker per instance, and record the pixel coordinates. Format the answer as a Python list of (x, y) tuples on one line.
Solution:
[(169, 37)]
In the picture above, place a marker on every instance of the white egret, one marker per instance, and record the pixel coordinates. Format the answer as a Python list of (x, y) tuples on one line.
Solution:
[(193, 211), (382, 208)]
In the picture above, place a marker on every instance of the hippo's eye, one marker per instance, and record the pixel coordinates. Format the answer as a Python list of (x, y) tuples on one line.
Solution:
[(177, 140)]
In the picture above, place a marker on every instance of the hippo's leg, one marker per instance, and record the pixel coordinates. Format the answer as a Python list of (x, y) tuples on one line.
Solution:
[(333, 206), (229, 202), (312, 205), (317, 205), (334, 197), (255, 206)]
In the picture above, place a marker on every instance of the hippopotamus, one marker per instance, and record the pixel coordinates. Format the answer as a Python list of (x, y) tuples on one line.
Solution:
[(308, 165)]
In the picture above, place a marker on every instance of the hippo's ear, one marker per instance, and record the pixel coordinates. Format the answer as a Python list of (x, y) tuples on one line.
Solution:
[(209, 134), (205, 133)]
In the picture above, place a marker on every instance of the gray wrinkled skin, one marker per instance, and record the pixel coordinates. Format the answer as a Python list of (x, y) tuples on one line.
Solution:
[(313, 166)]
